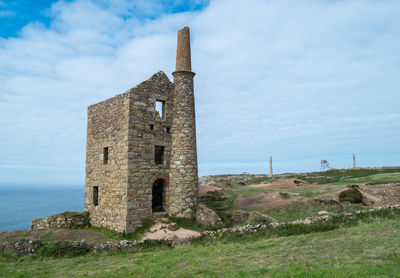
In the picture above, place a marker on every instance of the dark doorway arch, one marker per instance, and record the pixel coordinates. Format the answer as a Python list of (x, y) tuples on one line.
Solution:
[(158, 194)]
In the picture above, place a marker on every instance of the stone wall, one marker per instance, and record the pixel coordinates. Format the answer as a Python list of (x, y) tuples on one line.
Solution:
[(148, 129), (65, 220), (130, 127), (107, 127)]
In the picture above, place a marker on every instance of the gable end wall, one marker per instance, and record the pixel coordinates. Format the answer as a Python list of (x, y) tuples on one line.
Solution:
[(142, 169)]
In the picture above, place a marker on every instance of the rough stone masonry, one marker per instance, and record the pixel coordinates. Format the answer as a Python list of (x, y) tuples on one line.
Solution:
[(141, 155)]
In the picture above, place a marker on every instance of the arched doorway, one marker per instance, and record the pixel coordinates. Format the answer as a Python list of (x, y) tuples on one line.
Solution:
[(158, 196)]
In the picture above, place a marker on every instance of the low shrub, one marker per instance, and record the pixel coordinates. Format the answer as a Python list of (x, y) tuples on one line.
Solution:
[(9, 256), (62, 249)]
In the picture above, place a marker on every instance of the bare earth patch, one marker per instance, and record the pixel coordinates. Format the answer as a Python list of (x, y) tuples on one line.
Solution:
[(265, 201), (161, 231), (387, 193), (286, 183), (377, 194), (210, 187)]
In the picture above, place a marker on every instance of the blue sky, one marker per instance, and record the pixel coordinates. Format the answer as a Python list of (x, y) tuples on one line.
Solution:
[(299, 80)]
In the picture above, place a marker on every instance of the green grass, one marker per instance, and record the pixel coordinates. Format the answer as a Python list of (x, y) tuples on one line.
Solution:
[(367, 249), (47, 237), (137, 235), (301, 210), (373, 179), (314, 191)]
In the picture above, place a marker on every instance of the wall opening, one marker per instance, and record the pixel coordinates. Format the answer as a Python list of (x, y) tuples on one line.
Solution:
[(95, 195), (158, 196), (160, 109), (105, 155), (159, 154), (168, 129), (151, 126)]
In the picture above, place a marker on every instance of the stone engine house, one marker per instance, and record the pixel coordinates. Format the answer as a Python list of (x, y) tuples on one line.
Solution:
[(141, 155)]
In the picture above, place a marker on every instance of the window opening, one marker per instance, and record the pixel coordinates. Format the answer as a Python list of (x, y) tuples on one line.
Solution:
[(105, 155), (95, 195), (159, 154), (160, 109), (151, 127), (168, 130)]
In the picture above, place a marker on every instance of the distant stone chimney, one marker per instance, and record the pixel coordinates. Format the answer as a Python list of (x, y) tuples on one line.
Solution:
[(270, 167), (354, 161)]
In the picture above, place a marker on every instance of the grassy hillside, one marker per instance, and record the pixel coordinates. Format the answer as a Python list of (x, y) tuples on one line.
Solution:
[(321, 183), (366, 250), (380, 178), (340, 176)]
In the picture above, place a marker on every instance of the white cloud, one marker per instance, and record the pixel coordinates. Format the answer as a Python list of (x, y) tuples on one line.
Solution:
[(288, 79)]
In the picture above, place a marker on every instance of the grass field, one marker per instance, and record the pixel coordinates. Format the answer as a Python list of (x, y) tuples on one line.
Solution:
[(300, 210), (373, 179), (365, 250)]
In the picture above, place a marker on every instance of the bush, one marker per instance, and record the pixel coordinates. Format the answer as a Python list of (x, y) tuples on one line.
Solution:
[(62, 249)]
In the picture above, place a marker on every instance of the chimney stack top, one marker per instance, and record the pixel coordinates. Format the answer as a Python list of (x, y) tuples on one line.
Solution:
[(183, 59)]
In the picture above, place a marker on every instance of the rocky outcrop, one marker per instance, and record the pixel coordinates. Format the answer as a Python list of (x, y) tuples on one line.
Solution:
[(21, 246), (207, 217), (65, 220), (354, 194)]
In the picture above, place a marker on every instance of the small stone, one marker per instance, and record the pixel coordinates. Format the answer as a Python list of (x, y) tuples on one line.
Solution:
[(165, 221), (173, 227)]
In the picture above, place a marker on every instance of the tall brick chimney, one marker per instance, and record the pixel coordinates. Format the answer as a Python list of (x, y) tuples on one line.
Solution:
[(354, 161), (183, 179)]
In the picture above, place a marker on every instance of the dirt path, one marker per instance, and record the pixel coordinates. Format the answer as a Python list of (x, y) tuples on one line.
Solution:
[(279, 184), (162, 230)]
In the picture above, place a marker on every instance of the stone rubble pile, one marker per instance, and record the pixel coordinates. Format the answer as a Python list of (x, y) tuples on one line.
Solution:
[(21, 246)]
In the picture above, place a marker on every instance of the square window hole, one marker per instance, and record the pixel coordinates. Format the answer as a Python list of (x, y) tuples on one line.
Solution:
[(159, 154), (160, 109)]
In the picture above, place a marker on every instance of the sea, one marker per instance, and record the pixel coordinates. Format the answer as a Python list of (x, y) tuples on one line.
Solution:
[(20, 204)]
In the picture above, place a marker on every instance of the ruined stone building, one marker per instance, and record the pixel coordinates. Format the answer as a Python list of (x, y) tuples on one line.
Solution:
[(141, 155)]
